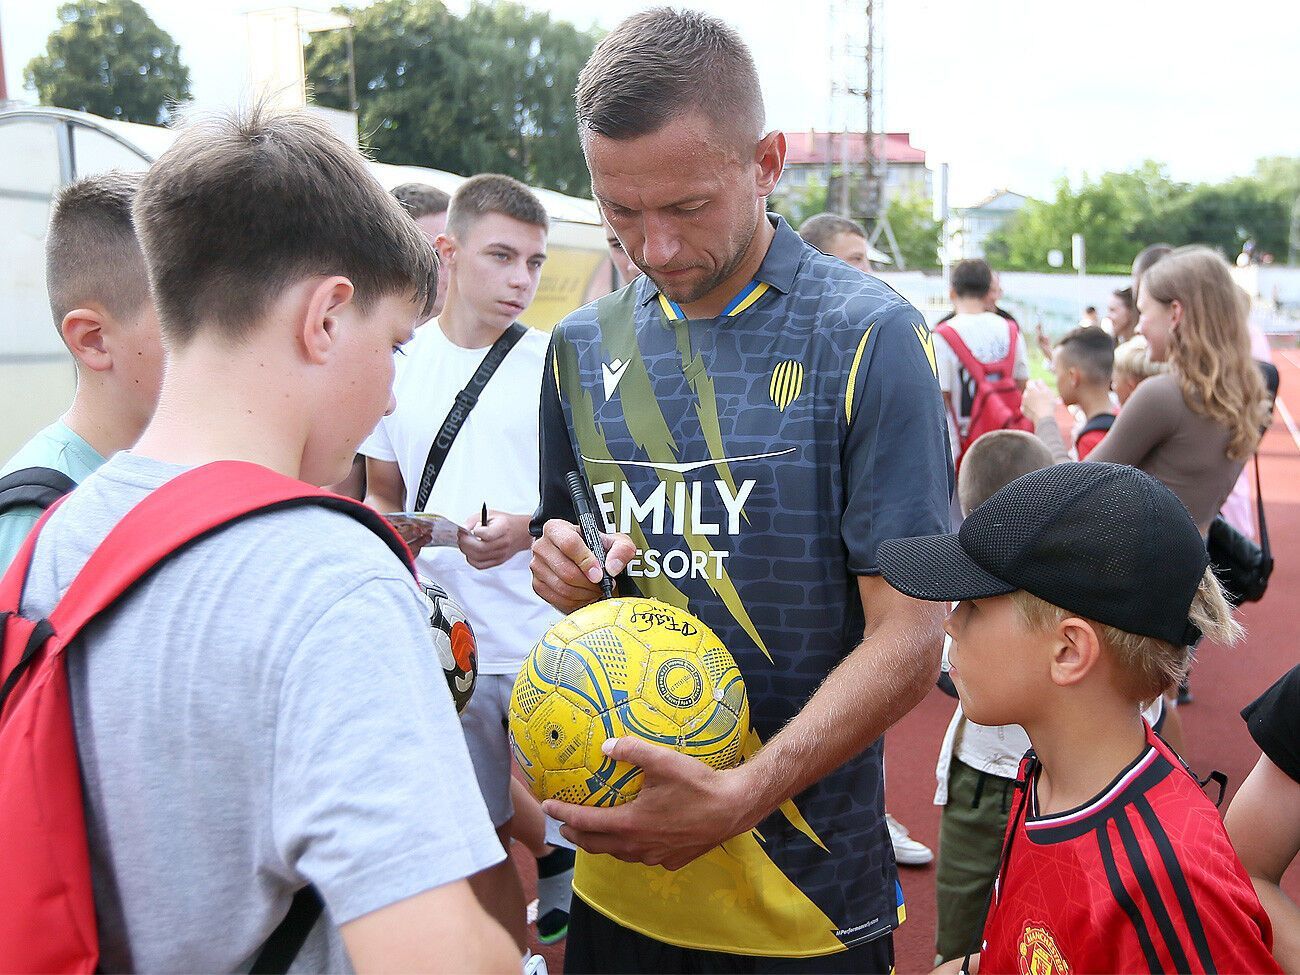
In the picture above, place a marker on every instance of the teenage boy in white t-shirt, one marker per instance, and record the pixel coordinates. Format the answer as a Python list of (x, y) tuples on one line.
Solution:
[(492, 252), (986, 333)]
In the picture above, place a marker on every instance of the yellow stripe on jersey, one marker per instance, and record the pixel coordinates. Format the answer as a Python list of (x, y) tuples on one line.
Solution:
[(853, 374), (752, 297)]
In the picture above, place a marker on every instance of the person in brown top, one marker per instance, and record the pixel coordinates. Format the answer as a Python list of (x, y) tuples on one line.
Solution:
[(1194, 427)]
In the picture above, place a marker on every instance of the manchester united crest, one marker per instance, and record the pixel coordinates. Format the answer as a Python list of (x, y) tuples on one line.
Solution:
[(1039, 954)]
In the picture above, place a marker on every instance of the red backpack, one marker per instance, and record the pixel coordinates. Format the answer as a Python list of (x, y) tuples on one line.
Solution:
[(47, 910), (996, 404)]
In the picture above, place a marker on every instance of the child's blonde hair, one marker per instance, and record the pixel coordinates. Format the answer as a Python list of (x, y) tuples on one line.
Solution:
[(1147, 665), (1133, 359)]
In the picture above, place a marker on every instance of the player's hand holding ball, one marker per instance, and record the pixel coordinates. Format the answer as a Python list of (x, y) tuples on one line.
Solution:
[(634, 704)]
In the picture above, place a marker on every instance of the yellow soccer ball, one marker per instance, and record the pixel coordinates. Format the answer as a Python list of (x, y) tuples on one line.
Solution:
[(623, 667)]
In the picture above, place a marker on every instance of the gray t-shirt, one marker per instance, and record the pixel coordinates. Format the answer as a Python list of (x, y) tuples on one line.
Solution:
[(267, 710)]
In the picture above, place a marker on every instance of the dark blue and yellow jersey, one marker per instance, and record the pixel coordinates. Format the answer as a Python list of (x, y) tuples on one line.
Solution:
[(758, 460)]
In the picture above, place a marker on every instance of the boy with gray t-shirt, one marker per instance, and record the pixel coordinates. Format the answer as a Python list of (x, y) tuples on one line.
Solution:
[(266, 710)]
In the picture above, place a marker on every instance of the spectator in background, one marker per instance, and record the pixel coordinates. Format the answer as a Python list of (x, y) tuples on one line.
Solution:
[(986, 334), (1090, 319), (427, 206), (1082, 362), (1194, 427), (1132, 365), (1146, 259), (99, 296), (1121, 315), (840, 237), (492, 251), (624, 266)]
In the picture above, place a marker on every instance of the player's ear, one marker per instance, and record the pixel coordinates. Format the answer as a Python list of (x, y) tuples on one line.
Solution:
[(1076, 651)]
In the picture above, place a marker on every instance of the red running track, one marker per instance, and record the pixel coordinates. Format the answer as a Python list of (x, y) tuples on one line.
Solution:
[(1225, 681)]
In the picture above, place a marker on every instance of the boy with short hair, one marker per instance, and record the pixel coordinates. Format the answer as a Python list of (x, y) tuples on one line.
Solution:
[(976, 772), (987, 335), (266, 710), (840, 237), (486, 480), (1115, 861), (99, 297), (1082, 362)]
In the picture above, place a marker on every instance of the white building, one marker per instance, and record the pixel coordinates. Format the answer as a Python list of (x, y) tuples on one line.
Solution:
[(968, 227)]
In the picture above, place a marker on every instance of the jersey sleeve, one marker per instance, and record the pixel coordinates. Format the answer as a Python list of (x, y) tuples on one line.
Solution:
[(1274, 722), (373, 796), (897, 465), (556, 449)]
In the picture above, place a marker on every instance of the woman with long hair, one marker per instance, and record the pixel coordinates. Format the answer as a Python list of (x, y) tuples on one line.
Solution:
[(1194, 427)]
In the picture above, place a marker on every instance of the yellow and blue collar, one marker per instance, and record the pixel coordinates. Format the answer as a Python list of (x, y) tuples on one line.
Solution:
[(749, 294)]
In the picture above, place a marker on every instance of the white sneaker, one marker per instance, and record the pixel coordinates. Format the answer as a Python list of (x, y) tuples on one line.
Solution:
[(907, 851)]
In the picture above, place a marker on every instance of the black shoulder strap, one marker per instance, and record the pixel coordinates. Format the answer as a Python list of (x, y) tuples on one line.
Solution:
[(465, 401), (287, 939), (1102, 421), (1263, 525), (39, 486)]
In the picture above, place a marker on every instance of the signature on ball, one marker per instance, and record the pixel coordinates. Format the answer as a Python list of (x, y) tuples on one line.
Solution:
[(650, 618)]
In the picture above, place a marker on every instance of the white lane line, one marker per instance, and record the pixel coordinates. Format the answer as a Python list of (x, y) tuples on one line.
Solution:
[(1290, 423), (1290, 357)]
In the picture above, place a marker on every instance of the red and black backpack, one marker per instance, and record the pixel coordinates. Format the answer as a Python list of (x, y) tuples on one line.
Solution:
[(996, 403), (47, 911)]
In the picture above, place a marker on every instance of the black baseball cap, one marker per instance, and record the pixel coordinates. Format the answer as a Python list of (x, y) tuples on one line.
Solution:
[(1105, 541)]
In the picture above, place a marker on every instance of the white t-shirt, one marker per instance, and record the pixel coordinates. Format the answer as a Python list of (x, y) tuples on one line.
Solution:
[(988, 336), (493, 461)]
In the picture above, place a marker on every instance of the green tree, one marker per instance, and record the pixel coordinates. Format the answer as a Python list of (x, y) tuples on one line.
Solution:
[(798, 203), (109, 58), (916, 231), (488, 92)]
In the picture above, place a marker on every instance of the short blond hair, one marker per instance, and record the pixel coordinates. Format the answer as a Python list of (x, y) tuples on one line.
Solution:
[(1147, 665), (1133, 359)]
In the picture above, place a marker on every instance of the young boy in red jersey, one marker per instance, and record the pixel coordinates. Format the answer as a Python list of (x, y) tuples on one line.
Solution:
[(1114, 861)]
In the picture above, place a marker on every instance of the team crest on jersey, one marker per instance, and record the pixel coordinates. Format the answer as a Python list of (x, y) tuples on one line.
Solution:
[(787, 384), (1038, 952)]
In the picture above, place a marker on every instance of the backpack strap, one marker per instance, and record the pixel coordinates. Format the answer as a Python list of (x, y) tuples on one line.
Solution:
[(961, 350), (186, 509), (1102, 421), (38, 486)]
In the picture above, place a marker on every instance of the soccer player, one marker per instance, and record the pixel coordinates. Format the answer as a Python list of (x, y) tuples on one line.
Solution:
[(99, 296), (492, 251), (1114, 860), (266, 710), (753, 419)]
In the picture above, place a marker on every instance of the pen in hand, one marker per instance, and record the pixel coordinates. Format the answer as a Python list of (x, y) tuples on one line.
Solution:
[(590, 530), (483, 519)]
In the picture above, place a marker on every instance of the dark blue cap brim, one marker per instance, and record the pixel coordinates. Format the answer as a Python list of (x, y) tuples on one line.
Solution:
[(936, 568)]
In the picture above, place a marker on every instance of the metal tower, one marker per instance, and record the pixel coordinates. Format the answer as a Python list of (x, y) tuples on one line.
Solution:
[(857, 87)]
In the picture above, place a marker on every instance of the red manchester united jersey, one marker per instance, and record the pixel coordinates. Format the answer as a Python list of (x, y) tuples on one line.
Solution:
[(1141, 879)]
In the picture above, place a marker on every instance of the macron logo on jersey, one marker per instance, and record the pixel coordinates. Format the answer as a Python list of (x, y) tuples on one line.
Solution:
[(613, 373)]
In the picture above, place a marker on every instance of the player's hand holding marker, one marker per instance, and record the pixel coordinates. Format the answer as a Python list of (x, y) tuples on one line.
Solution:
[(565, 571), (684, 809)]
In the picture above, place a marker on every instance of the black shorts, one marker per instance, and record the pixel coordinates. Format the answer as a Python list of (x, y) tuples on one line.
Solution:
[(598, 946)]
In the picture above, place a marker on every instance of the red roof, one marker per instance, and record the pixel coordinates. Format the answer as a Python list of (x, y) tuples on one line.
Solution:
[(805, 148)]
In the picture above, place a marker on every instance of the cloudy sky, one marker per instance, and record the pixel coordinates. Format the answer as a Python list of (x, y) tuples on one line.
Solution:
[(1010, 93)]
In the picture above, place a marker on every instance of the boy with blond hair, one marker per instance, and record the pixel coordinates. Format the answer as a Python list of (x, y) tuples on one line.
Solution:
[(265, 712), (1114, 861)]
